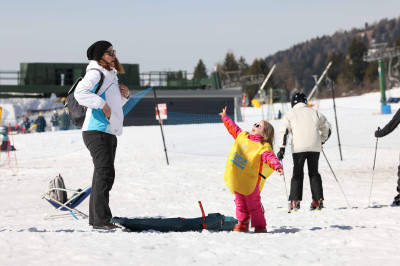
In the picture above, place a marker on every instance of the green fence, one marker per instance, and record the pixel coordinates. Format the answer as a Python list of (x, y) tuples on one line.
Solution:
[(43, 79)]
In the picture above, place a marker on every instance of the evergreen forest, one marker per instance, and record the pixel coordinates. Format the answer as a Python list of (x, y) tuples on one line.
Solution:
[(298, 67)]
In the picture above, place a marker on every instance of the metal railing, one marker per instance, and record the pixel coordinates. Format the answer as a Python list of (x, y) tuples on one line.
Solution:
[(9, 77), (375, 54)]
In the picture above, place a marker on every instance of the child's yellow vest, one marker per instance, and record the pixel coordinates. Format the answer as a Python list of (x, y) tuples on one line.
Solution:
[(242, 167)]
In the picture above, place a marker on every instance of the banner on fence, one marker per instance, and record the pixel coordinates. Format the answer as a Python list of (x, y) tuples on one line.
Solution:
[(163, 111)]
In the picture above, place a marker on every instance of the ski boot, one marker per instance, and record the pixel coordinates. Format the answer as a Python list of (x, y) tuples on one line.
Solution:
[(260, 229), (242, 226), (396, 200), (317, 205), (294, 205)]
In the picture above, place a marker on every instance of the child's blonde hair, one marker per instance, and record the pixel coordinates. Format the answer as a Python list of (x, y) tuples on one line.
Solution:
[(269, 132)]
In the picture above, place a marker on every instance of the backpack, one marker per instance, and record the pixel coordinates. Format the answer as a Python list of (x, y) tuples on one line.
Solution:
[(77, 112), (57, 194)]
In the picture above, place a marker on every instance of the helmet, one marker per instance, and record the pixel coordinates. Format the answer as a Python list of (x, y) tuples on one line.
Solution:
[(299, 97)]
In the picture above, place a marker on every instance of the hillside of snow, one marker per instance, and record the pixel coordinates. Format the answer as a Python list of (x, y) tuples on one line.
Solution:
[(347, 231)]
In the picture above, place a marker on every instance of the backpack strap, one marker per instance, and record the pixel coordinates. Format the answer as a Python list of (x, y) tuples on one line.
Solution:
[(101, 79)]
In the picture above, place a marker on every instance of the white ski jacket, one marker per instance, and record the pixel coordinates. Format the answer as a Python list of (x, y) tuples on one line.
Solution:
[(305, 125), (109, 93)]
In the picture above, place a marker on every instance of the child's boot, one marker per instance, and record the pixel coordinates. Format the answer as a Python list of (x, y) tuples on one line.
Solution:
[(260, 229), (242, 226)]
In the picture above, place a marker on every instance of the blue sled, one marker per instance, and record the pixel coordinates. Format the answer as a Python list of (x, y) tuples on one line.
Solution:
[(213, 221)]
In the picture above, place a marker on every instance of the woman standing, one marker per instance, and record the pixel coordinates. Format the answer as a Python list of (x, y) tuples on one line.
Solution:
[(103, 122)]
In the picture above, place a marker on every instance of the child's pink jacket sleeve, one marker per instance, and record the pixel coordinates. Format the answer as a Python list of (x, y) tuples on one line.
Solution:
[(233, 129), (271, 160)]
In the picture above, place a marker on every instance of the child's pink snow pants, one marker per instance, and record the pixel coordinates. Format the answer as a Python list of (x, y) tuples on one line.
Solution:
[(250, 206)]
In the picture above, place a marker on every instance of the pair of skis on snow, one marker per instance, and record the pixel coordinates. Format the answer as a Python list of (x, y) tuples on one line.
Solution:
[(377, 205)]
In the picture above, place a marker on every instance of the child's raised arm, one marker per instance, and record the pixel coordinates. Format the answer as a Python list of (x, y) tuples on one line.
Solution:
[(233, 129)]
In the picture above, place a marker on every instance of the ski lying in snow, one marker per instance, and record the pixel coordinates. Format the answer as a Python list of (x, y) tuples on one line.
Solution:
[(377, 205), (298, 210), (293, 210)]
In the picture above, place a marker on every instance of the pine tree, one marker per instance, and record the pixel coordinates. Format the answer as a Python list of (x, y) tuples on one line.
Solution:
[(259, 66), (397, 41), (356, 51), (230, 63), (338, 59), (243, 66), (200, 71), (176, 75), (371, 72), (180, 75)]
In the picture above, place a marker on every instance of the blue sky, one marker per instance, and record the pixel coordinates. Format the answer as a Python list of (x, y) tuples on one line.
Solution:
[(170, 34)]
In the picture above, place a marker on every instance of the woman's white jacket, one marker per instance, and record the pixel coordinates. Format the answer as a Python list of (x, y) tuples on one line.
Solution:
[(109, 93), (308, 127)]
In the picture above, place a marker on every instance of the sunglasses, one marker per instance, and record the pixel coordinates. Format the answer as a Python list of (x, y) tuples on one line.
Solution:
[(257, 125), (111, 53)]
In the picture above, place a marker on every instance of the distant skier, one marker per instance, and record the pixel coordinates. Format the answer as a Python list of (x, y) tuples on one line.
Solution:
[(305, 125), (27, 125), (40, 123), (392, 125), (250, 155), (64, 120), (55, 124), (5, 141)]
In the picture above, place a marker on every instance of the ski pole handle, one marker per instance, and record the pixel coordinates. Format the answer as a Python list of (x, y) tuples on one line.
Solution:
[(379, 129)]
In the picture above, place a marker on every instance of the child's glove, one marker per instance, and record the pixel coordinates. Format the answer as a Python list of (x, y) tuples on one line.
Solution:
[(281, 154)]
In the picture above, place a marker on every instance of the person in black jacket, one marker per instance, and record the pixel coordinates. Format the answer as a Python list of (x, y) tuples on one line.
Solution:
[(27, 125), (64, 120), (392, 125), (40, 123)]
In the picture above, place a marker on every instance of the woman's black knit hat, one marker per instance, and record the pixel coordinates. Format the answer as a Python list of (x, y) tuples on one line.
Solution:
[(96, 50)]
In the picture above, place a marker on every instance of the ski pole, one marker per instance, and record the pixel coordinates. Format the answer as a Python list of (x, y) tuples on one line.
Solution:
[(284, 181), (336, 178), (373, 169), (160, 122)]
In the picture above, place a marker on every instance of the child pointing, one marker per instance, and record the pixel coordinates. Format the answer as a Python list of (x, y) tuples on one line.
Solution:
[(251, 160)]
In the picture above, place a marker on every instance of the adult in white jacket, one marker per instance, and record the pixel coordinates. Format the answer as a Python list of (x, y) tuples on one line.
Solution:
[(103, 122), (309, 129)]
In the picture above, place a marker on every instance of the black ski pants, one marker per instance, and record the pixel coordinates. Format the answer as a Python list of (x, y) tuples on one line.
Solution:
[(296, 187), (102, 147)]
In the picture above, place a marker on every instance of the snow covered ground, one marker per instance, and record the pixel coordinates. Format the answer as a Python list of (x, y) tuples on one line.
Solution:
[(146, 186)]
